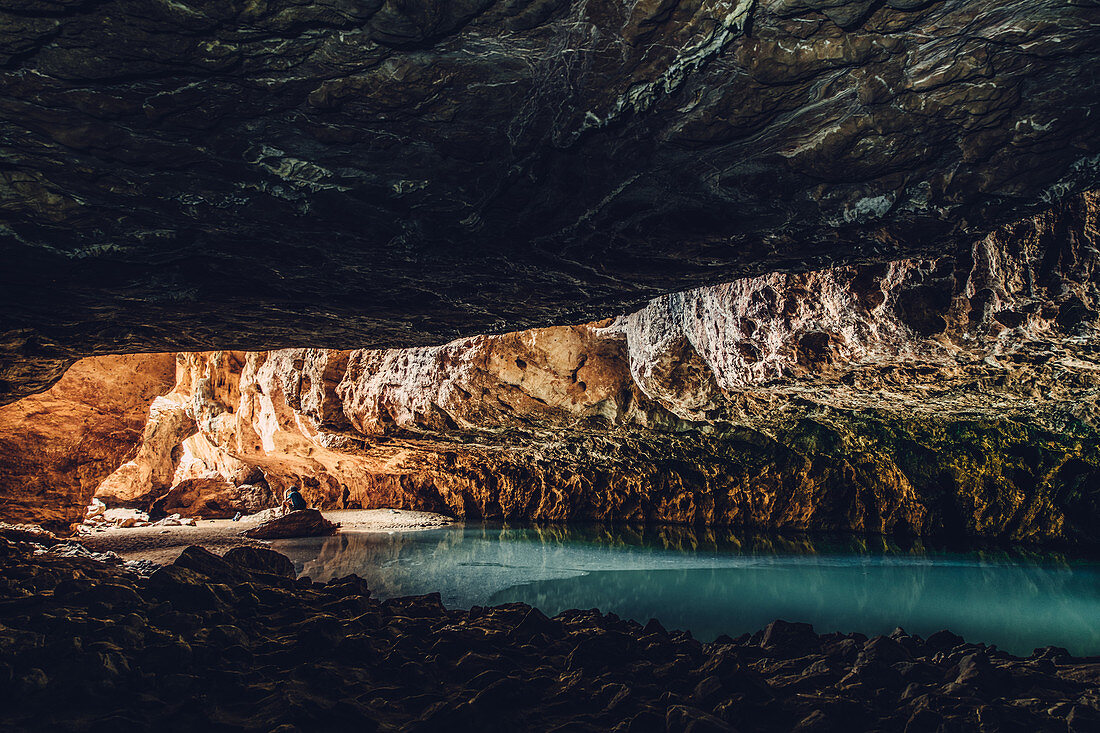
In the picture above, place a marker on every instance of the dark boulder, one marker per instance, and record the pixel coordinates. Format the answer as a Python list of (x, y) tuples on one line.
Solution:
[(202, 561), (261, 560), (301, 523)]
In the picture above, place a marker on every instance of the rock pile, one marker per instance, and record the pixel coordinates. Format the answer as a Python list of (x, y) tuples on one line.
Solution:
[(43, 543), (237, 643), (97, 516)]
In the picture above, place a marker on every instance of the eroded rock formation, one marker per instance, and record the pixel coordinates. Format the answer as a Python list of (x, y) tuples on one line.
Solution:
[(58, 446), (152, 470), (956, 395), (183, 176)]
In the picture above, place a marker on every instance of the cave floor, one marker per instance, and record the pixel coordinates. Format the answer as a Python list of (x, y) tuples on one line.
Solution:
[(163, 545)]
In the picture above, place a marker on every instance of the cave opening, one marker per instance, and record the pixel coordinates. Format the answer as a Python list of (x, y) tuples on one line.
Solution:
[(349, 351), (717, 460)]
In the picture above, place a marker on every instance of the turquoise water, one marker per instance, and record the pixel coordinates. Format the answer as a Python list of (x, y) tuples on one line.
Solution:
[(714, 583)]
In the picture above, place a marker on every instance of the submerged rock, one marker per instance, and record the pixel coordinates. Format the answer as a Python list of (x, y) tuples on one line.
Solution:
[(300, 523)]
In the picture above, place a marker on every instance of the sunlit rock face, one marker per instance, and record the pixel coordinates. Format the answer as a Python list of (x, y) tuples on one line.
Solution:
[(957, 395), (57, 446), (151, 472), (183, 176)]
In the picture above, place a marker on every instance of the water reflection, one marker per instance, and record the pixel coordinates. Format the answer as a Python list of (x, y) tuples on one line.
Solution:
[(716, 582)]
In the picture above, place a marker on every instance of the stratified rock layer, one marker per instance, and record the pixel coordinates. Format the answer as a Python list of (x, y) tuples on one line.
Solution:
[(58, 446), (950, 396), (392, 173)]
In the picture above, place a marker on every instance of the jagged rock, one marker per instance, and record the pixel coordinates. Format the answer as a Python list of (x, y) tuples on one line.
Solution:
[(944, 639), (788, 636), (96, 510), (210, 498), (150, 473), (260, 646), (218, 569), (877, 398), (56, 447), (950, 396), (28, 533), (182, 177), (187, 590), (301, 523), (261, 560)]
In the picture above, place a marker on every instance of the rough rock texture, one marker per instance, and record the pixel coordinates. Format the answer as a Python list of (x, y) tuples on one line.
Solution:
[(151, 471), (185, 175), (957, 395), (211, 497), (258, 559), (213, 643), (57, 446), (160, 478), (301, 523)]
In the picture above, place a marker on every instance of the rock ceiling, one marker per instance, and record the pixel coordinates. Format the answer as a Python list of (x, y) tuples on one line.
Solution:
[(180, 175)]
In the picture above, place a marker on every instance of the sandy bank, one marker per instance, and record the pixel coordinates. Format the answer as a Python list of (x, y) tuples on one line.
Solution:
[(164, 544)]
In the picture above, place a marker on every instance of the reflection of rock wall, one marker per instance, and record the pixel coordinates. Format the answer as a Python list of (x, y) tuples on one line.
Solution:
[(363, 553), (57, 446), (716, 577), (956, 395)]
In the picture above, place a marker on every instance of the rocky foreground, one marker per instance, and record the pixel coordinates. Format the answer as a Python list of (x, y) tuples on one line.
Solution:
[(237, 643)]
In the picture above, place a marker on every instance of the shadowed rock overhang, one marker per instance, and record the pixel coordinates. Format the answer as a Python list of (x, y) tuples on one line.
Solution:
[(955, 397), (182, 176)]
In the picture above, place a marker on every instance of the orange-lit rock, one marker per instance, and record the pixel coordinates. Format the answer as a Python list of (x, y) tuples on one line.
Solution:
[(152, 470), (302, 523), (957, 395), (57, 446), (210, 497)]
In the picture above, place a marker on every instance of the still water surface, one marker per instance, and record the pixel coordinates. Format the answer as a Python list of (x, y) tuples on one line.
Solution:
[(724, 583)]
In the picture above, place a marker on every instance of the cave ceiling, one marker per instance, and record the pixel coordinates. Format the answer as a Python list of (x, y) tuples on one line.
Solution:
[(184, 175)]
